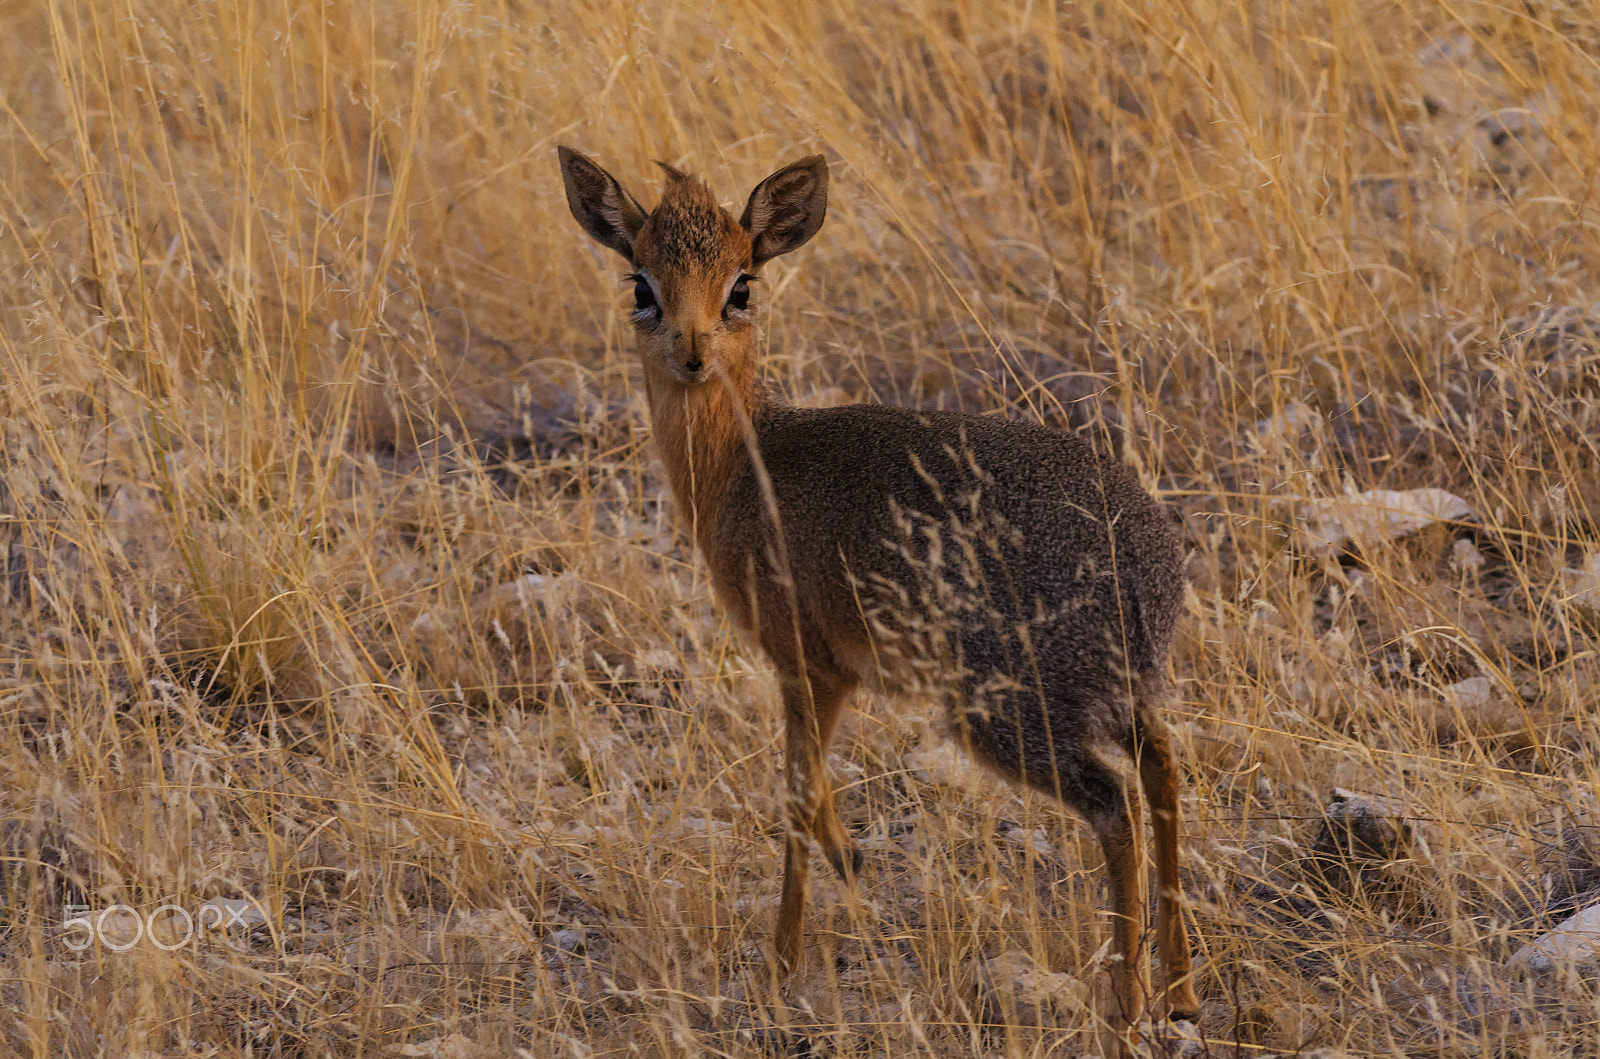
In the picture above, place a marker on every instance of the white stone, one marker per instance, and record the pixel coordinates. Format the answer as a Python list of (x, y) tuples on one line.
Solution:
[(1575, 941), (455, 1046), (1465, 557), (1376, 515), (1474, 693), (568, 940), (1583, 585), (937, 762), (1035, 841), (1285, 425), (1017, 988)]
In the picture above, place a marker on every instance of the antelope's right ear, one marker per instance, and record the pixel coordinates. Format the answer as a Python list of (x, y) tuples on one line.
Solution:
[(610, 215)]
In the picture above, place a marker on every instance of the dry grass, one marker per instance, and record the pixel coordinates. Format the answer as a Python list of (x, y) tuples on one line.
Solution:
[(282, 285)]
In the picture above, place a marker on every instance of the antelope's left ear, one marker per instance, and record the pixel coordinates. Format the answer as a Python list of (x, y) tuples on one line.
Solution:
[(786, 209)]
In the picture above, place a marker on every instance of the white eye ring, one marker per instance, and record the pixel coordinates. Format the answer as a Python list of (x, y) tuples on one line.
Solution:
[(647, 301), (740, 289)]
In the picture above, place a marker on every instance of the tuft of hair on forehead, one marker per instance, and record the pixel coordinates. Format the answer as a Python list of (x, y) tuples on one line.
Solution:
[(688, 227)]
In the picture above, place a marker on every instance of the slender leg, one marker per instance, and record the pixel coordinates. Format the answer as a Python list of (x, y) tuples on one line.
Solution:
[(792, 907), (809, 718), (837, 845), (1158, 773), (1119, 834)]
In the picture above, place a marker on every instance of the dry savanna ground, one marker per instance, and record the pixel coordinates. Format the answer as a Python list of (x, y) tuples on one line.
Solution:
[(341, 589)]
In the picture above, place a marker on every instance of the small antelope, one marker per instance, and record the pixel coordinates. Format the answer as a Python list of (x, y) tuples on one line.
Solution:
[(1023, 580)]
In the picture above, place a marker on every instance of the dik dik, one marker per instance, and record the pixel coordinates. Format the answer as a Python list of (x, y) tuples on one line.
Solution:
[(1009, 571)]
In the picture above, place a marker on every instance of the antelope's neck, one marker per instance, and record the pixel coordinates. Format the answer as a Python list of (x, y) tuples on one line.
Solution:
[(700, 433)]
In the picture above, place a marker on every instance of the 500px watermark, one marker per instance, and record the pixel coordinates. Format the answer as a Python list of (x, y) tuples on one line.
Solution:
[(168, 927)]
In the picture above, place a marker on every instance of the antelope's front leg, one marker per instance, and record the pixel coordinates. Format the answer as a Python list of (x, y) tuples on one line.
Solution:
[(809, 718)]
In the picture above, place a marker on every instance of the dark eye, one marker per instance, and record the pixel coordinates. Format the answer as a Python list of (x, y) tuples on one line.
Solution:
[(644, 299), (739, 297)]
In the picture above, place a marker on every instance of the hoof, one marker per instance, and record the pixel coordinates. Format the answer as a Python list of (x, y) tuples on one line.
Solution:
[(848, 863), (1184, 1009)]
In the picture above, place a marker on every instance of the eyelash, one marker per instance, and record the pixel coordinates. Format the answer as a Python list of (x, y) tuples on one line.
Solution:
[(645, 307), (644, 300), (741, 292)]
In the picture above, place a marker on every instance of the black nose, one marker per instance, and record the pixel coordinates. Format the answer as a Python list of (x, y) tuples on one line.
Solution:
[(692, 364)]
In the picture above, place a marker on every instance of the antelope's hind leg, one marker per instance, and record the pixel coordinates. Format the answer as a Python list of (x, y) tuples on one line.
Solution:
[(1158, 774), (1013, 736), (837, 845), (1116, 823)]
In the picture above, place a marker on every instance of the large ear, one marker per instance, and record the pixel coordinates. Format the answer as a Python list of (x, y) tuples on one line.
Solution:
[(786, 209), (605, 209)]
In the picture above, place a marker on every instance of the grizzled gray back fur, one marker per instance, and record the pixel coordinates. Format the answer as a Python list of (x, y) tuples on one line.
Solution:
[(1009, 569)]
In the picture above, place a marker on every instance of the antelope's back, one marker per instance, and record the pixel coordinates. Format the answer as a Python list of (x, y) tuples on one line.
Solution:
[(1016, 550)]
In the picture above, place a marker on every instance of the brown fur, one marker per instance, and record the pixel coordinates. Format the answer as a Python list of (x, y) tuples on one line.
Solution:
[(690, 246), (1007, 570)]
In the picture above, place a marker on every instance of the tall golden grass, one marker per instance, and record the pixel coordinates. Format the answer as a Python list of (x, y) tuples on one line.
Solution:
[(282, 286)]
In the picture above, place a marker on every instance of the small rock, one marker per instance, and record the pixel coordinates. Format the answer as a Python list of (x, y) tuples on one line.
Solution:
[(1474, 693), (1285, 425), (876, 841), (1575, 942), (1413, 995), (1508, 123), (1034, 841), (1013, 990), (584, 832), (938, 763), (571, 941), (695, 826), (1179, 1039), (455, 1046), (1583, 585), (1364, 827), (1451, 50), (488, 938), (1465, 557)]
